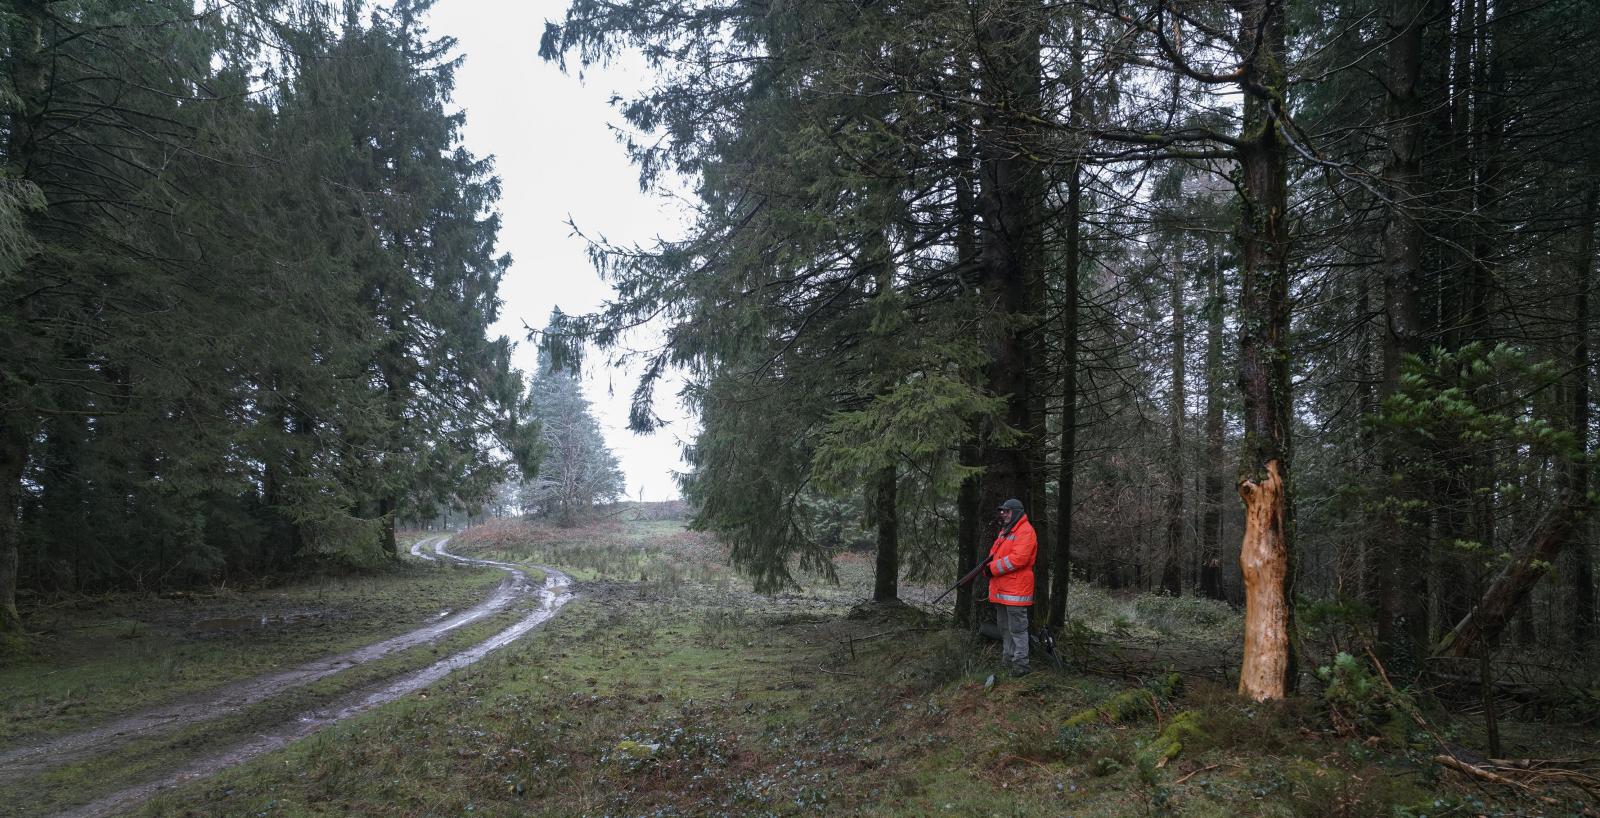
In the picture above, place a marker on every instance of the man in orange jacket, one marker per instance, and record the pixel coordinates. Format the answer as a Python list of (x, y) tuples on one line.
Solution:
[(1010, 572)]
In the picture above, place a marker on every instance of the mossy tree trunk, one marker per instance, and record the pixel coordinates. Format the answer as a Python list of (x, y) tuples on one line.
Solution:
[(1262, 233)]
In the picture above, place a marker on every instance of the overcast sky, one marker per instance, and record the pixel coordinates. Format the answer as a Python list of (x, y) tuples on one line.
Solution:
[(557, 158)]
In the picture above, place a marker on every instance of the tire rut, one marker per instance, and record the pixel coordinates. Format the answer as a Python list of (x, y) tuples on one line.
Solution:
[(32, 760)]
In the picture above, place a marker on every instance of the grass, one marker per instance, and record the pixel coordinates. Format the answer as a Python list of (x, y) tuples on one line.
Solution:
[(672, 691), (91, 659)]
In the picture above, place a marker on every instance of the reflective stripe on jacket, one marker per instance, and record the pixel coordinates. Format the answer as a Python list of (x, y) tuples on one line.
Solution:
[(1011, 564)]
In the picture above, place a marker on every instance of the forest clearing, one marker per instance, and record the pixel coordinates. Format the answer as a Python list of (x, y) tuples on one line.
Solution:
[(667, 688)]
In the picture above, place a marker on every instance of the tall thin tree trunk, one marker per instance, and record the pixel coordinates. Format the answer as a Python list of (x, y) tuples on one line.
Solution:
[(886, 577), (1264, 358), (969, 528), (13, 459), (1353, 570), (1173, 555), (1400, 581), (1211, 522), (30, 85), (969, 525), (1071, 263), (1579, 560)]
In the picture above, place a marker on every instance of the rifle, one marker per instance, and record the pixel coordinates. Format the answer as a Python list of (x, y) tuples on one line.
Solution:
[(960, 582)]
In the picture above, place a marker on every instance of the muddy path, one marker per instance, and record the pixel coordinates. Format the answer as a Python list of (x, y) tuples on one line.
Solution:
[(43, 756), (38, 756)]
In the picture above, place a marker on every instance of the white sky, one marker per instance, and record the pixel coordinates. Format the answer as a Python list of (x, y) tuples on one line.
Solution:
[(557, 158)]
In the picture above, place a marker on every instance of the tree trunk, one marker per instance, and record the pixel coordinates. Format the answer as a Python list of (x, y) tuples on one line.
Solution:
[(1264, 558), (969, 530), (1173, 554), (1581, 568), (1488, 619), (969, 525), (29, 82), (1011, 194), (1351, 582), (1038, 471), (13, 459), (1264, 350), (886, 577), (1400, 580), (1211, 522), (386, 509), (1071, 263)]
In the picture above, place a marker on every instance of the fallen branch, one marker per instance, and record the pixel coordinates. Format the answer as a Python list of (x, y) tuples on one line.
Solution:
[(1208, 768), (1490, 776)]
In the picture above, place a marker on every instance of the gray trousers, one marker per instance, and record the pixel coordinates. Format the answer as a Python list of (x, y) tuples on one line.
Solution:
[(1012, 620)]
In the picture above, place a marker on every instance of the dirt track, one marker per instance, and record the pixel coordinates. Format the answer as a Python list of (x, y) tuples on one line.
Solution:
[(44, 756)]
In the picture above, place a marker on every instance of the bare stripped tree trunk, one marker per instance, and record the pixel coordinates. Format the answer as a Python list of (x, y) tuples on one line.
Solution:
[(1265, 554)]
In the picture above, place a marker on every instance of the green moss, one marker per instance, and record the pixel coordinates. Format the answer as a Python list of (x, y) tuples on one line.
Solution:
[(1129, 706), (1182, 729)]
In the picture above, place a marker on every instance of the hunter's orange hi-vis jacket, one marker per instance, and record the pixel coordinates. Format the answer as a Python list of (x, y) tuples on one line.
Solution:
[(1011, 564)]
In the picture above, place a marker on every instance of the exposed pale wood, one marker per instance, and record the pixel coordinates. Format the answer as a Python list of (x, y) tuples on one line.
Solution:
[(1264, 558)]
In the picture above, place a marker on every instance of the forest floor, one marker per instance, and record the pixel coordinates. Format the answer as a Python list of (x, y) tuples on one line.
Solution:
[(667, 688)]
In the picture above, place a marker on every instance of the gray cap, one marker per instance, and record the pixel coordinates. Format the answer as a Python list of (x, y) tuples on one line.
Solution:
[(1012, 505)]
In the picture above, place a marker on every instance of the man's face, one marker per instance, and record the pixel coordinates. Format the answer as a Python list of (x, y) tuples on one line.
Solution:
[(1005, 516)]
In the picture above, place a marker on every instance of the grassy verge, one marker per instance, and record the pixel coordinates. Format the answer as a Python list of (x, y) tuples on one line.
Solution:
[(94, 659), (674, 696)]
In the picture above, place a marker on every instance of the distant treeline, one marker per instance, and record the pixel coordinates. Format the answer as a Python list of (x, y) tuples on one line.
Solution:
[(248, 269)]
